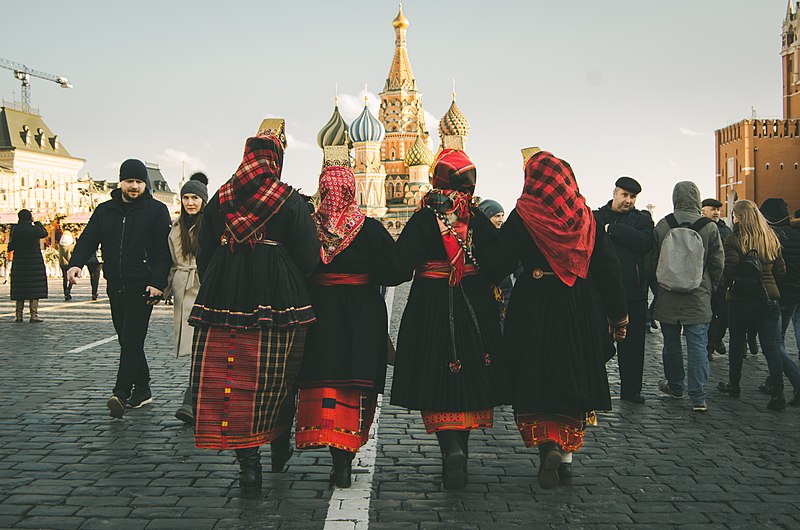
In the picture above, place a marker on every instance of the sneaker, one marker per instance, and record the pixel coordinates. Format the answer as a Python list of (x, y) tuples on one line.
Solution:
[(116, 406), (139, 397), (700, 407), (638, 399), (665, 387)]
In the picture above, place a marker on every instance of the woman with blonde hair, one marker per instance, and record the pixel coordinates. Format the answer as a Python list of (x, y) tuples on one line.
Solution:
[(753, 262)]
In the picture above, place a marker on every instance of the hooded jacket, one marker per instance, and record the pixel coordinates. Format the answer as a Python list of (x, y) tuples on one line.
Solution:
[(777, 214), (694, 307), (133, 237)]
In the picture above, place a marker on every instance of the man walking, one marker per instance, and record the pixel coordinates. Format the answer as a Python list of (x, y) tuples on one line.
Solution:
[(689, 267), (631, 232), (132, 229), (719, 306)]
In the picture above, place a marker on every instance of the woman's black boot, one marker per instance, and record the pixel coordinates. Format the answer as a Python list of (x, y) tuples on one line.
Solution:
[(565, 473), (280, 452), (454, 461), (549, 462), (778, 402), (249, 467), (342, 467)]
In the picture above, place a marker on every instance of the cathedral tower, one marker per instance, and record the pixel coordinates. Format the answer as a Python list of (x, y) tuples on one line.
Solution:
[(790, 54), (367, 132)]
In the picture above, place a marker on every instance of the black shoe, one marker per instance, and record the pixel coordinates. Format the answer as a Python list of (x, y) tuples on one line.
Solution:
[(249, 468), (185, 414), (565, 473), (454, 460), (638, 399), (777, 403), (140, 396), (94, 298), (116, 406), (549, 462), (667, 389), (720, 348), (280, 453), (732, 390), (67, 297), (341, 476), (752, 344)]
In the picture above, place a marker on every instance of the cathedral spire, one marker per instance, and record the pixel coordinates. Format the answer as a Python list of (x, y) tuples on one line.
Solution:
[(400, 75)]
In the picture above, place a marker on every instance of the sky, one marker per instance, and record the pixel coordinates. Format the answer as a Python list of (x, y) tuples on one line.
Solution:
[(619, 87)]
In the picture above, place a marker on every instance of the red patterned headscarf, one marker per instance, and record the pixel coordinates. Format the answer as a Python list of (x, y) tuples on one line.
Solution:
[(556, 216), (338, 218), (255, 192), (454, 177)]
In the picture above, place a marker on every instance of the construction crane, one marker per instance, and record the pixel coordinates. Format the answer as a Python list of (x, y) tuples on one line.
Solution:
[(24, 74)]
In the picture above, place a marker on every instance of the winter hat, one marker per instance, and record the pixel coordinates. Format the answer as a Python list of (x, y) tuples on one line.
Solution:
[(490, 207), (775, 211), (134, 169), (197, 184), (25, 216)]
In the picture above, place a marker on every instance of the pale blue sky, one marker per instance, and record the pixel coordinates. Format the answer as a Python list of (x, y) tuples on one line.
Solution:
[(616, 87)]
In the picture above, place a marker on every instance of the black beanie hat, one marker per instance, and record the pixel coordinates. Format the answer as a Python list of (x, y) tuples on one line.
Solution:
[(775, 211), (197, 184), (24, 215), (134, 169)]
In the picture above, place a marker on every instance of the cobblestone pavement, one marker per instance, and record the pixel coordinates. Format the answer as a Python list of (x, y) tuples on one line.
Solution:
[(65, 464)]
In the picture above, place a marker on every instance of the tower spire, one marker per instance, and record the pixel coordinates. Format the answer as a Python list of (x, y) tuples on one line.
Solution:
[(400, 75)]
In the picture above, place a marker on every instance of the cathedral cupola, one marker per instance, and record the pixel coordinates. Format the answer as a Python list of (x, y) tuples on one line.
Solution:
[(335, 132), (366, 128), (419, 154), (454, 123)]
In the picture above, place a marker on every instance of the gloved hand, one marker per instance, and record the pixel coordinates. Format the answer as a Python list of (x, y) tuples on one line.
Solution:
[(619, 329)]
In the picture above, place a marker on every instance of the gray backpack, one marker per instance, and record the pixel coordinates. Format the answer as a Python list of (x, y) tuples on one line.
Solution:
[(682, 255)]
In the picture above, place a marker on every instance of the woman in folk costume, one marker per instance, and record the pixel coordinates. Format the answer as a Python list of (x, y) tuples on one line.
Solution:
[(555, 343), (257, 243), (184, 281), (344, 365), (449, 363)]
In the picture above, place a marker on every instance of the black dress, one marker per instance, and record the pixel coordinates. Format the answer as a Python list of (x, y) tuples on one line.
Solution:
[(28, 274), (556, 344), (423, 379), (346, 346)]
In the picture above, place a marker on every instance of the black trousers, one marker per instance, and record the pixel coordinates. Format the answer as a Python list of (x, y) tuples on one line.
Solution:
[(131, 316), (630, 352), (94, 274), (67, 285), (719, 318)]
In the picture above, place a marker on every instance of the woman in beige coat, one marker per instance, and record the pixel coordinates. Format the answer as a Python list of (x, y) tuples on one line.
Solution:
[(184, 281)]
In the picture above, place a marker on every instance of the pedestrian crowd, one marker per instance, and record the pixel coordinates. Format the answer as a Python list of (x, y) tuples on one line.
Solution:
[(278, 302)]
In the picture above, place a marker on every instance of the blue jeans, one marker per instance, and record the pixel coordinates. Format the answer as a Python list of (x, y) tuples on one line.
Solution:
[(765, 318), (672, 355), (790, 369)]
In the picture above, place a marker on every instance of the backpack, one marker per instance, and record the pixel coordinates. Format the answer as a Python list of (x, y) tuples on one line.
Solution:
[(682, 256), (747, 279)]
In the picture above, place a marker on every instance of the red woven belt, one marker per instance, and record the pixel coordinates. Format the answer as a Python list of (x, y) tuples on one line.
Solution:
[(331, 278), (440, 270)]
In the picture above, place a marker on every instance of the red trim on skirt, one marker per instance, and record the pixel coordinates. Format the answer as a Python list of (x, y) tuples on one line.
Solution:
[(457, 421), (334, 417), (565, 430), (334, 278)]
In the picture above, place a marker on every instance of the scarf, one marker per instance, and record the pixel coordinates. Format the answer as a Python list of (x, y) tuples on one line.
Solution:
[(255, 192), (556, 216), (338, 218), (453, 182)]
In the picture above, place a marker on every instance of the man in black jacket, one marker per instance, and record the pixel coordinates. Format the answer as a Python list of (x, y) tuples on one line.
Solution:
[(132, 230), (631, 231), (719, 306)]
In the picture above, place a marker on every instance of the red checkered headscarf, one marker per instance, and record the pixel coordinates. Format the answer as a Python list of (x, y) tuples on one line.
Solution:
[(255, 192), (454, 177), (338, 218), (556, 216)]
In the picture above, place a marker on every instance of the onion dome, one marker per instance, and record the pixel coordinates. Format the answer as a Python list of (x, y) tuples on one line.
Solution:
[(400, 21), (419, 154), (366, 128), (454, 123), (334, 132)]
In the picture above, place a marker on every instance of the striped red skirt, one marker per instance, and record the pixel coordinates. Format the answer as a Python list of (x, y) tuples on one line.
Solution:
[(566, 430), (334, 417), (240, 380), (457, 421)]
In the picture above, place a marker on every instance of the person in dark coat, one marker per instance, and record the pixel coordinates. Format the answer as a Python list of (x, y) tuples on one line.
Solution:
[(132, 228), (719, 307), (556, 346), (344, 363), (494, 211), (449, 363), (28, 274), (256, 245), (631, 233)]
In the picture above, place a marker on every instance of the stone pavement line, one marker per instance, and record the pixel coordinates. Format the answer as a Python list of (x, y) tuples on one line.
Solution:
[(49, 308), (348, 509), (93, 344)]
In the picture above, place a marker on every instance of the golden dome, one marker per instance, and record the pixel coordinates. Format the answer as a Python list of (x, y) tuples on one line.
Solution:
[(400, 20), (454, 123), (419, 154)]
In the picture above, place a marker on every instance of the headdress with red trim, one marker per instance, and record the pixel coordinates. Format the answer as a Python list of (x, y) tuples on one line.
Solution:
[(338, 217)]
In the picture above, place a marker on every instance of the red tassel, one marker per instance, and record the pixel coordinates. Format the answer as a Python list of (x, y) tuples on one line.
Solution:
[(455, 367)]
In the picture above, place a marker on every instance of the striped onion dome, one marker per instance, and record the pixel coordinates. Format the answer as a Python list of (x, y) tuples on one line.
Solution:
[(454, 123), (419, 154), (334, 132), (366, 128)]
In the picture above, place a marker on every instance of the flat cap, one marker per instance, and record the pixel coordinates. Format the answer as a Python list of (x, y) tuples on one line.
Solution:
[(629, 185), (714, 203)]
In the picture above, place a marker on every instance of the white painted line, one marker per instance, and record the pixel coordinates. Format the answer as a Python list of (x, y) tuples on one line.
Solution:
[(93, 344), (348, 508)]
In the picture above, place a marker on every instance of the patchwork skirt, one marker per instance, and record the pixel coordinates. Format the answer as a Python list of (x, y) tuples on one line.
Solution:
[(334, 417)]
